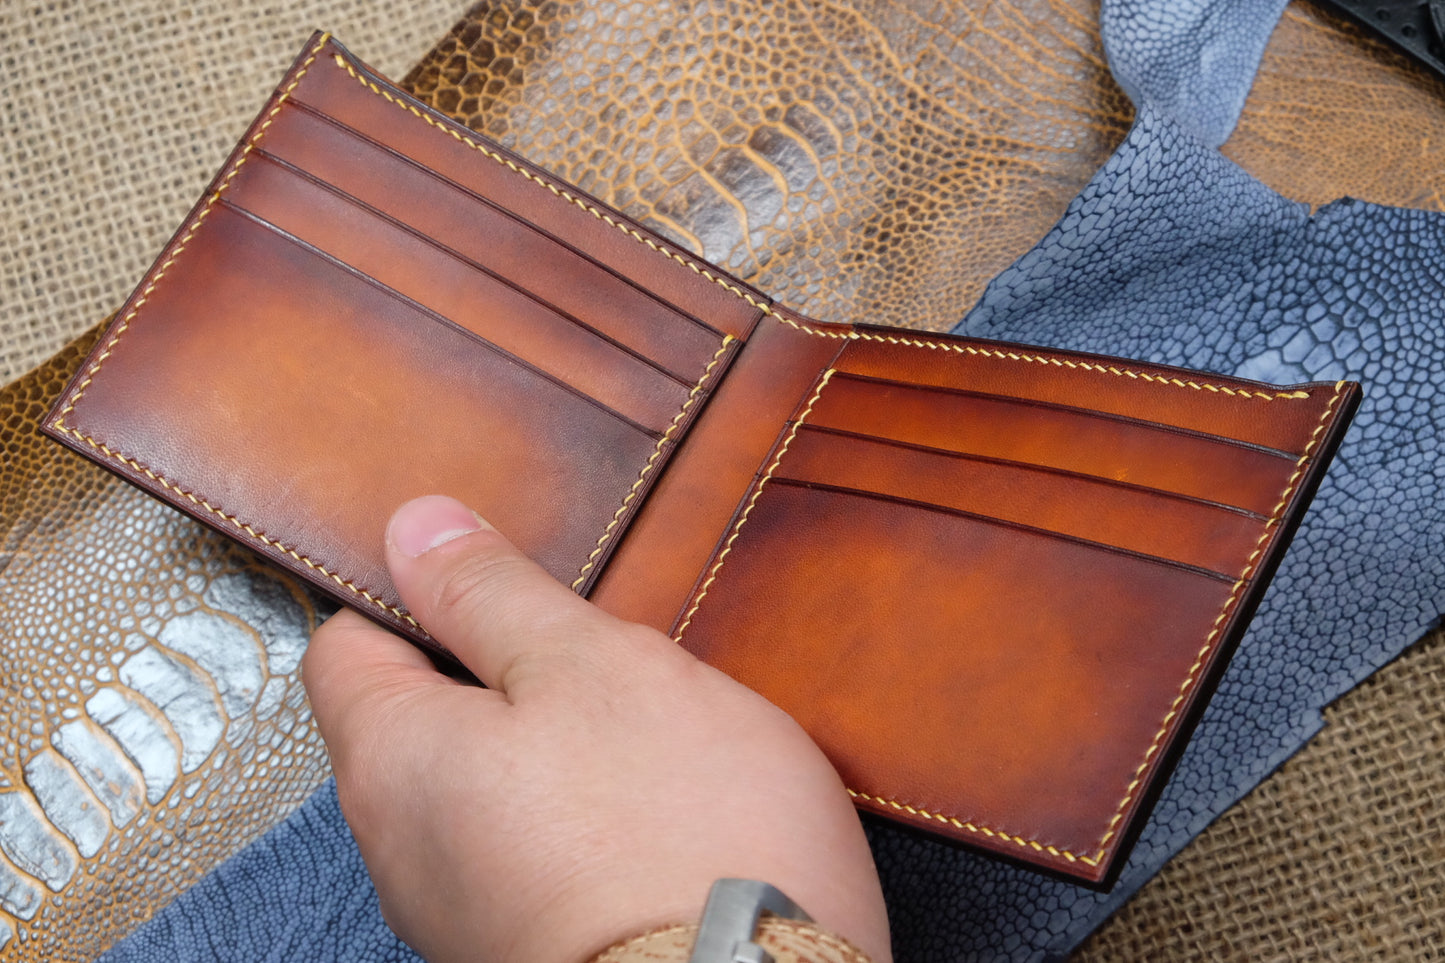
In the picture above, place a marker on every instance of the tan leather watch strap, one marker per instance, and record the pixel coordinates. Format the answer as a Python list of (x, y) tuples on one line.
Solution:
[(789, 941)]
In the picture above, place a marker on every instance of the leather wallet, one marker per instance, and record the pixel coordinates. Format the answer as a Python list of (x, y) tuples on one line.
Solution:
[(995, 583)]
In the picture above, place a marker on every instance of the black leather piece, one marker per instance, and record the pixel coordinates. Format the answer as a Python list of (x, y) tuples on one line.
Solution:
[(1415, 26)]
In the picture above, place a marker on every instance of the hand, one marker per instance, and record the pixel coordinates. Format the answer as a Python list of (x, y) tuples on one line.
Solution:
[(594, 791)]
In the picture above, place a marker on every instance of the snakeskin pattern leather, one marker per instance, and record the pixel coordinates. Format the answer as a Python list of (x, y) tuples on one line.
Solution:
[(1328, 116)]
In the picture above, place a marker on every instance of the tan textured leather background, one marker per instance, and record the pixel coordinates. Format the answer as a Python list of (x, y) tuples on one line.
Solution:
[(1337, 856), (114, 117)]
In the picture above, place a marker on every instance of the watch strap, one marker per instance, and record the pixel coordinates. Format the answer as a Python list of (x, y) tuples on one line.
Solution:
[(787, 941), (728, 930)]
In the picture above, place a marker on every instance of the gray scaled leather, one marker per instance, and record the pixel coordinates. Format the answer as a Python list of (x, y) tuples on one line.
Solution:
[(1173, 254)]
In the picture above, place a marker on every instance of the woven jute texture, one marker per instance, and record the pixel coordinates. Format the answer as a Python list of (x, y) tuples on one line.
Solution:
[(116, 115), (1338, 856)]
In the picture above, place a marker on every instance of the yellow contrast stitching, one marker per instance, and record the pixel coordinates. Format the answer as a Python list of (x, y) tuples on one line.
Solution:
[(977, 829), (1290, 485), (748, 509), (651, 461), (241, 526), (1249, 567), (767, 309), (165, 266), (79, 390), (1081, 366)]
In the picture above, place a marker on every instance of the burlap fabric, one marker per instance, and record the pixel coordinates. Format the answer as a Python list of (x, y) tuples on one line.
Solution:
[(107, 141)]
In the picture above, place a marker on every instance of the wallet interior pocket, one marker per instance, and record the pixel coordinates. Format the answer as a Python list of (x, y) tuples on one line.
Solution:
[(1209, 537), (341, 324), (453, 289), (1115, 447), (1017, 540), (371, 403), (458, 220), (969, 673)]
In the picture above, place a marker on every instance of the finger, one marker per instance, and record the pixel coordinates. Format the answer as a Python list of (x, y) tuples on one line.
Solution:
[(477, 594), (356, 672)]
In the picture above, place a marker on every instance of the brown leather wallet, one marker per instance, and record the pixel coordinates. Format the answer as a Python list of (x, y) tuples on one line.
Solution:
[(995, 583)]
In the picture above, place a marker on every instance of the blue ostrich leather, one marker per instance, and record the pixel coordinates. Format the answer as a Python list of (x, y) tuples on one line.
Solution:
[(1173, 254), (298, 893)]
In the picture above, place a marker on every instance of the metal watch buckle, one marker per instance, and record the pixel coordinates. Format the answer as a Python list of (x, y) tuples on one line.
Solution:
[(730, 921)]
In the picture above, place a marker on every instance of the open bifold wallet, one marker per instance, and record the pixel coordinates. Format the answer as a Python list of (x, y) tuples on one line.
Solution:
[(995, 583)]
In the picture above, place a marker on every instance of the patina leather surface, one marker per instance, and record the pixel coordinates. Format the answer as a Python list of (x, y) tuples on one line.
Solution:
[(386, 304), (1326, 105)]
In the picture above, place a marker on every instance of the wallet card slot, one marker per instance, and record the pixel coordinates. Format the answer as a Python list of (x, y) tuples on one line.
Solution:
[(305, 403), (422, 312), (451, 252), (350, 93), (503, 241), (457, 290), (1266, 415), (1106, 446), (1131, 518), (1020, 527)]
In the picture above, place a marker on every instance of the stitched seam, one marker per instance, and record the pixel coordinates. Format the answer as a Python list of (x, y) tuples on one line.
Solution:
[(1111, 830), (785, 933), (627, 499), (975, 828), (618, 950), (767, 309), (242, 527), (1290, 485), (748, 509), (165, 266), (975, 351), (79, 391)]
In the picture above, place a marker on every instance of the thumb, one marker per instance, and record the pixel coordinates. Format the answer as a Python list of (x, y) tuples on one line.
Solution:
[(495, 609)]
